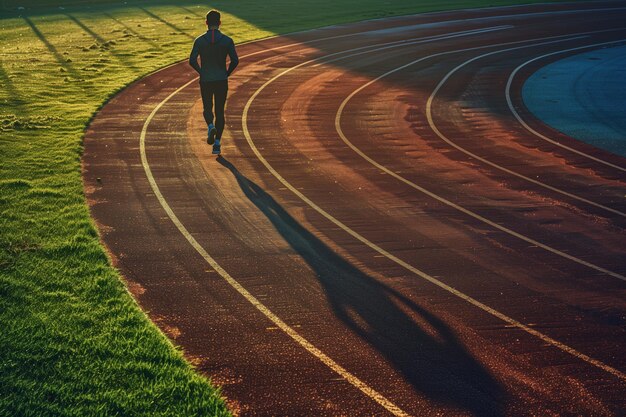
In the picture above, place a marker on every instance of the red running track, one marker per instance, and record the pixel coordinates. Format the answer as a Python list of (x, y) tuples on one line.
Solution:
[(382, 235)]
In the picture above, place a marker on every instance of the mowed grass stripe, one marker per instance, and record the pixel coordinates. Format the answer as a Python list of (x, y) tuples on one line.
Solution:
[(72, 341)]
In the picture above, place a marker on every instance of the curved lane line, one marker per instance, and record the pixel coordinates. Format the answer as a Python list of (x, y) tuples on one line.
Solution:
[(533, 131), (443, 137), (388, 255), (411, 41), (441, 199)]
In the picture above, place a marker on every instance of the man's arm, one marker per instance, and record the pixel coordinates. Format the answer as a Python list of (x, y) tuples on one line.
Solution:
[(193, 57), (234, 59)]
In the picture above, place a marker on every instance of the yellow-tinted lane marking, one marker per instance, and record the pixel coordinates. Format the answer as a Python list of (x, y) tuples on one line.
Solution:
[(308, 346), (375, 247), (439, 198), (533, 131), (443, 137)]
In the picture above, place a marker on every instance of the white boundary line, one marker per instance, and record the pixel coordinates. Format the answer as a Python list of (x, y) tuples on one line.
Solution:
[(433, 126), (399, 261), (388, 45), (533, 131)]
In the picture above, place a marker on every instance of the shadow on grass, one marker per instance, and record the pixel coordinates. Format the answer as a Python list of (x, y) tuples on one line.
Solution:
[(171, 25), (15, 98), (133, 32), (93, 34), (103, 42), (59, 58), (188, 10), (433, 361)]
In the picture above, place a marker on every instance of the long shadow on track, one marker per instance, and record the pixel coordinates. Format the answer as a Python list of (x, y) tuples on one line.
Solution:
[(436, 366)]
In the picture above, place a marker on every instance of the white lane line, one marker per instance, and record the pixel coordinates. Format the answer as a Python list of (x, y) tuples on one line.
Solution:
[(533, 131), (411, 41), (388, 255), (441, 199), (433, 126), (308, 346)]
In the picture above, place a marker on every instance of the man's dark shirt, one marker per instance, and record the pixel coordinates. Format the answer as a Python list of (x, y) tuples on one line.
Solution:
[(213, 47)]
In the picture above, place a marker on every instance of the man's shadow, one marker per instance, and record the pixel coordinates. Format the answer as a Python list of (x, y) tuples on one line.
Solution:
[(437, 366)]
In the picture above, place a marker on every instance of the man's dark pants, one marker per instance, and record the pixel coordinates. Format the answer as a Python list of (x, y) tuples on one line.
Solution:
[(209, 91)]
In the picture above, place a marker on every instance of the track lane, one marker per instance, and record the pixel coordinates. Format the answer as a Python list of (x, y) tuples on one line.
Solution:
[(183, 164), (290, 331)]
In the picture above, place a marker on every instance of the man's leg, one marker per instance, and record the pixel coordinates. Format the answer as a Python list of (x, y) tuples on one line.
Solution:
[(221, 91), (207, 90)]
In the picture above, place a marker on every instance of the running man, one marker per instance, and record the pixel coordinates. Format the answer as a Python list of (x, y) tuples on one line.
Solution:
[(213, 47)]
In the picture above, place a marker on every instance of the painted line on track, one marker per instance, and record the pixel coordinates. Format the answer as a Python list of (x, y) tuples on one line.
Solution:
[(435, 129), (412, 41), (533, 131), (399, 261)]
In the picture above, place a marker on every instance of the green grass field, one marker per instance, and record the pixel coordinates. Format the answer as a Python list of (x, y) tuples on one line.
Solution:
[(72, 340)]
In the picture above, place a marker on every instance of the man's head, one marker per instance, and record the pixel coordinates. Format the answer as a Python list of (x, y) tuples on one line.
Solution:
[(213, 18)]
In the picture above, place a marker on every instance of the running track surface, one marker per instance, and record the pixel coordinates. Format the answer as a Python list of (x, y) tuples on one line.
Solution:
[(389, 231)]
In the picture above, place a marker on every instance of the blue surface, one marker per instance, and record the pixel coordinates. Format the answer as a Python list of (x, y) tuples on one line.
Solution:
[(583, 96)]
